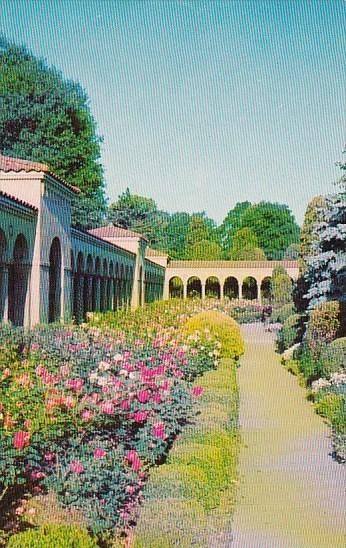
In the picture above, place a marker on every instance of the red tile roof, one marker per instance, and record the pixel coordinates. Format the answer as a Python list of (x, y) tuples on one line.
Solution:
[(111, 231), (8, 164), (18, 201)]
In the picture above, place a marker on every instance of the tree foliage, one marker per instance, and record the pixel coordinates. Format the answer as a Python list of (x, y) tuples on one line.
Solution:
[(274, 226), (204, 250), (313, 216), (46, 118), (245, 246), (232, 223)]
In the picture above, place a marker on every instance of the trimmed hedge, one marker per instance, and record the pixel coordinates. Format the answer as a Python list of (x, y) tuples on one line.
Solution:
[(281, 314), (323, 326), (53, 536), (223, 327), (290, 333)]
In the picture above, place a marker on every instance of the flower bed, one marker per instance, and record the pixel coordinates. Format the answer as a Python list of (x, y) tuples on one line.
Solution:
[(87, 410)]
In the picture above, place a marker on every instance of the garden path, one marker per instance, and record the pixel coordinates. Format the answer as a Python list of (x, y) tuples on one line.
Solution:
[(291, 493)]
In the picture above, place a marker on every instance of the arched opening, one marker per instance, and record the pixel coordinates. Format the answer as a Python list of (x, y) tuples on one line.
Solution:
[(176, 288), (212, 287), (78, 308), (249, 288), (55, 275), (95, 305), (18, 281), (231, 288), (3, 277), (110, 287), (194, 287), (104, 285), (130, 289), (87, 289), (266, 290), (116, 288)]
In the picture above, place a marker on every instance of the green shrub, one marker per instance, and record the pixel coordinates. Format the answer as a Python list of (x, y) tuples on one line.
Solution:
[(291, 332), (53, 536), (331, 406), (223, 327), (333, 358), (323, 326), (281, 314)]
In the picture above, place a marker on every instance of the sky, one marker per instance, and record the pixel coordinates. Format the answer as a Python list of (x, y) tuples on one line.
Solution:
[(203, 104)]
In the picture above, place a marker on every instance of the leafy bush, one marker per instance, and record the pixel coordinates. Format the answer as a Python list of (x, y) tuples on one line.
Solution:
[(49, 536), (282, 313), (323, 326), (332, 407), (290, 333), (333, 357), (224, 328)]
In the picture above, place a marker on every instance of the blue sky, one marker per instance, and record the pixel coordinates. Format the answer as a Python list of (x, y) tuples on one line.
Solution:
[(203, 103)]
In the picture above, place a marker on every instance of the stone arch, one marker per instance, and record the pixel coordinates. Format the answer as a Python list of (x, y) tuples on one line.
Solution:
[(250, 288), (176, 287), (95, 304), (78, 309), (87, 287), (266, 289), (3, 276), (104, 285), (18, 281), (55, 281), (194, 287), (231, 288), (213, 287)]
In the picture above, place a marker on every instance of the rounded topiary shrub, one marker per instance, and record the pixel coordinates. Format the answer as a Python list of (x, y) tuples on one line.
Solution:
[(223, 327), (290, 333), (49, 536), (282, 313), (323, 326), (333, 357)]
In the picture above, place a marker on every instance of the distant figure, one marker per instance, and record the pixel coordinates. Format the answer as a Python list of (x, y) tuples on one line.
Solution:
[(266, 315)]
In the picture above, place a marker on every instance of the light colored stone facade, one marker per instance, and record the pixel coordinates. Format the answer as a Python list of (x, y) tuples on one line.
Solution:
[(51, 271)]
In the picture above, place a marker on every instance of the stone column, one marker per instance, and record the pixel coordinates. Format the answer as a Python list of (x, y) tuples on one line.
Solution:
[(203, 290), (222, 290), (240, 284), (4, 293), (185, 290)]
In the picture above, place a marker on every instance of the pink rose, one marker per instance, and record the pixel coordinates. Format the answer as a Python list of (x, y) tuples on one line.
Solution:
[(158, 430), (77, 467), (143, 396), (99, 453), (107, 407), (37, 475), (197, 391), (21, 440), (49, 457), (157, 398), (140, 416), (87, 414), (125, 405)]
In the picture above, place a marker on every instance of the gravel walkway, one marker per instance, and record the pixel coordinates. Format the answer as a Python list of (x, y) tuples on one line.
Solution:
[(292, 493)]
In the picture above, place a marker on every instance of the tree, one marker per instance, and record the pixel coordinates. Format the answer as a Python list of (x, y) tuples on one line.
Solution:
[(200, 228), (274, 226), (245, 246), (292, 252), (313, 216), (46, 118), (232, 223), (204, 250), (281, 286), (172, 239)]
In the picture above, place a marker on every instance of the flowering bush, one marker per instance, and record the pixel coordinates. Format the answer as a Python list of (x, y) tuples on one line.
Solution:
[(323, 325), (87, 410)]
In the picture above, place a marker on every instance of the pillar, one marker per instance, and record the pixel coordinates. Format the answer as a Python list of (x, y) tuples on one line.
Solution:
[(184, 290), (222, 290), (203, 290), (240, 284)]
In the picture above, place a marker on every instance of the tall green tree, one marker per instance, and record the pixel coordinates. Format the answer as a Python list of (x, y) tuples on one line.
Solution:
[(204, 250), (274, 226), (313, 216), (46, 118), (200, 228), (245, 246), (232, 223)]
